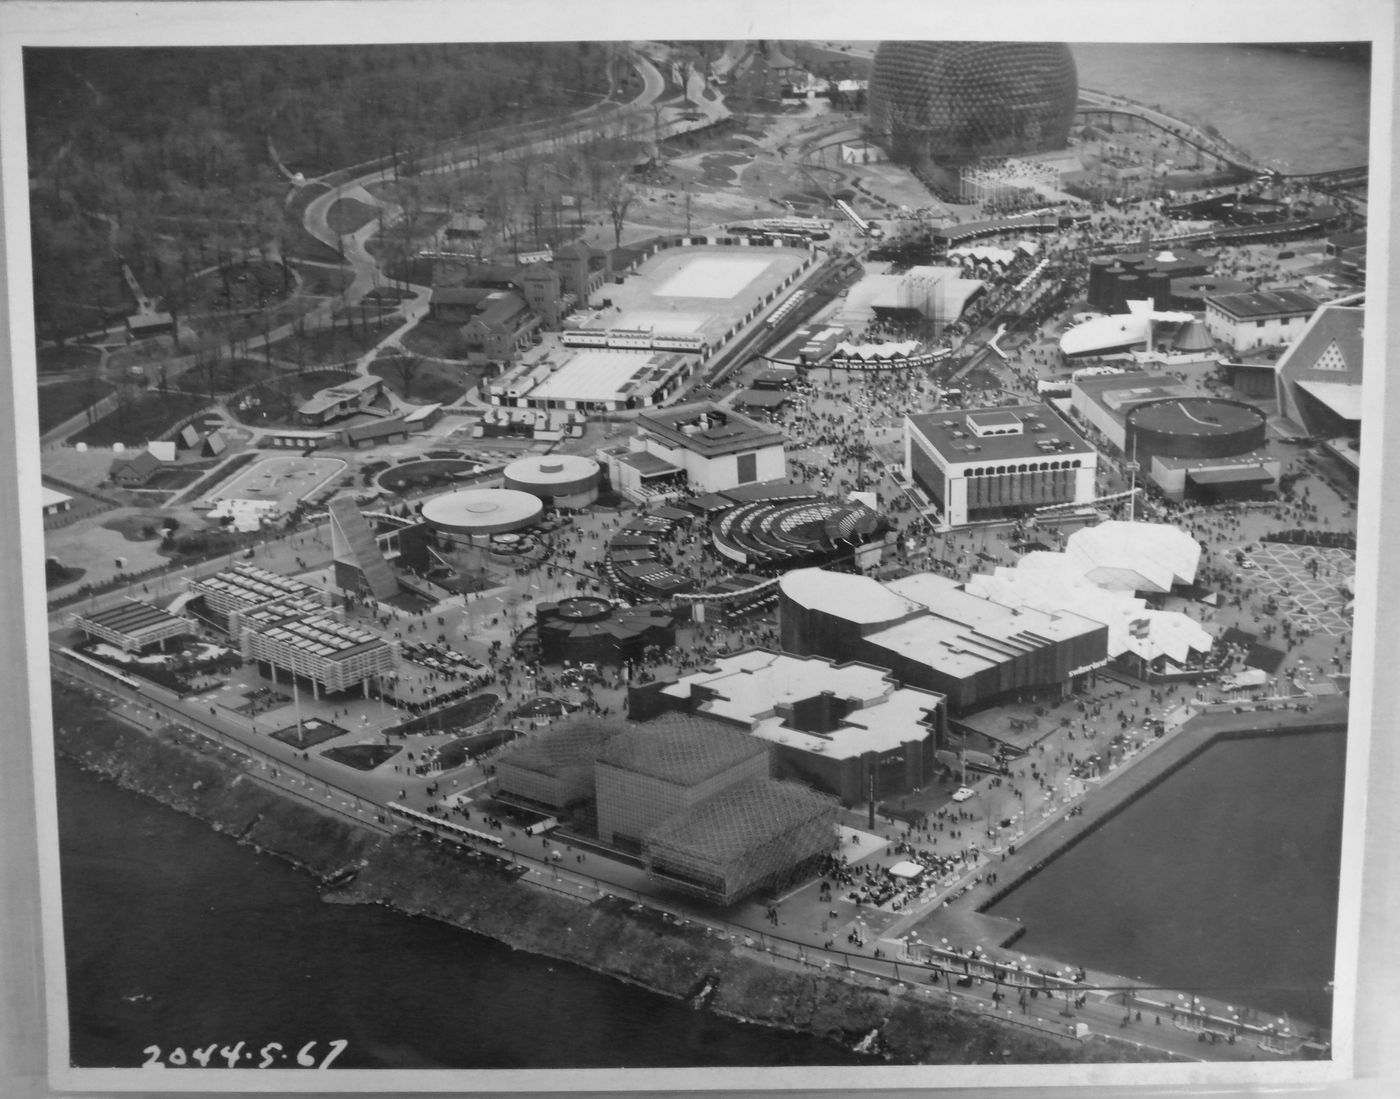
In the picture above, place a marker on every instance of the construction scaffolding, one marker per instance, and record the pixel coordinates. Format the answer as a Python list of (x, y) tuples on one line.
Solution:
[(760, 834)]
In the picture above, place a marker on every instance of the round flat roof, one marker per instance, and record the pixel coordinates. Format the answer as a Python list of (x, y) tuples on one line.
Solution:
[(483, 511), (1195, 416), (552, 469)]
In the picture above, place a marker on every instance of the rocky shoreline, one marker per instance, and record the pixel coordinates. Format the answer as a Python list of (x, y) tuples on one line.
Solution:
[(626, 941)]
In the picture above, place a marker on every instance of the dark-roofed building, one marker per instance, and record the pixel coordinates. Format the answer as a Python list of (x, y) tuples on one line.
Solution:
[(375, 432), (133, 470), (995, 463), (1262, 318), (1318, 380), (502, 327), (760, 834), (589, 630), (553, 770), (648, 773), (1104, 400), (134, 625), (456, 304)]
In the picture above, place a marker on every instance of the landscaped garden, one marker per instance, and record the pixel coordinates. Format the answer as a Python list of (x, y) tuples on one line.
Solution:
[(412, 476), (309, 733), (346, 215), (459, 715), (363, 757)]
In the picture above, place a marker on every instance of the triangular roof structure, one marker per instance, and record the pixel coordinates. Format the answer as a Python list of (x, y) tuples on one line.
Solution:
[(353, 543)]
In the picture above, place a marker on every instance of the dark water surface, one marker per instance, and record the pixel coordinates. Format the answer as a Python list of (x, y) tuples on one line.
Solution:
[(177, 936), (1224, 877)]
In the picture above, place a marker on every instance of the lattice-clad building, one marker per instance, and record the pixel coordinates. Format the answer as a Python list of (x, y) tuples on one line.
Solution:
[(553, 770), (649, 773), (951, 102), (133, 625), (759, 834)]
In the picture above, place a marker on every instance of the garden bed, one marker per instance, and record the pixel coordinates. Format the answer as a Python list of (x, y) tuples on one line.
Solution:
[(363, 757), (412, 476), (313, 731)]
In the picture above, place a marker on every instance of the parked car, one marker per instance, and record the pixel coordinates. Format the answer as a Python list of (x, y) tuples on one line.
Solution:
[(962, 793)]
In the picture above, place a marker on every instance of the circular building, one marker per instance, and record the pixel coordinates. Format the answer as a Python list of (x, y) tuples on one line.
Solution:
[(1192, 427), (560, 480), (480, 512), (952, 102)]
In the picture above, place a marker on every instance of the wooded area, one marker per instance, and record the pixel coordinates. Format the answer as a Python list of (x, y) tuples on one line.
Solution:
[(169, 158)]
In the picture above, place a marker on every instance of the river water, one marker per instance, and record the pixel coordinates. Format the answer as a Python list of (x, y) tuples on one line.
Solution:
[(1298, 113), (177, 936)]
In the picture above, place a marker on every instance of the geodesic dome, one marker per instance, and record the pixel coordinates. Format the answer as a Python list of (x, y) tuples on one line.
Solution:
[(952, 102)]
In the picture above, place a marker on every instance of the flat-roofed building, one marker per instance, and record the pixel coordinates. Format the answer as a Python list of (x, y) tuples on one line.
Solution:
[(134, 625), (1262, 318), (996, 463), (302, 640), (930, 633), (649, 773), (833, 726), (1104, 400), (553, 770), (339, 400), (243, 587), (716, 448)]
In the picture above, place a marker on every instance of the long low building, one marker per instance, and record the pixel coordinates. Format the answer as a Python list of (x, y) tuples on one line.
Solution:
[(134, 625), (330, 655), (932, 634)]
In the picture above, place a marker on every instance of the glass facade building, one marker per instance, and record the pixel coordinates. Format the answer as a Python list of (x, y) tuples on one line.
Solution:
[(952, 102)]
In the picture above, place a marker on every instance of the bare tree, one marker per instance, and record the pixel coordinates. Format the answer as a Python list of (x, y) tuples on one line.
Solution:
[(619, 199), (404, 368)]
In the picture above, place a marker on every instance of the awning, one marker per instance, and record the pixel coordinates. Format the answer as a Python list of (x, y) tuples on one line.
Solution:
[(1236, 476), (1341, 398)]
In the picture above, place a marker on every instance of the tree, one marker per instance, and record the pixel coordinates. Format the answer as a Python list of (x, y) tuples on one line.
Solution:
[(404, 367), (619, 199)]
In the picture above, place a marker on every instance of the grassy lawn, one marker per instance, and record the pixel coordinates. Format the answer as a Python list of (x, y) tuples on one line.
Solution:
[(436, 339), (427, 382), (313, 731), (136, 528), (275, 403), (70, 356), (416, 475), (239, 286), (225, 376), (148, 416), (346, 215), (324, 281), (363, 757), (176, 477), (326, 347), (61, 400)]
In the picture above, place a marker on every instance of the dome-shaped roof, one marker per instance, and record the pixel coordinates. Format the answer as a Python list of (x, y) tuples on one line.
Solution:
[(955, 101)]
